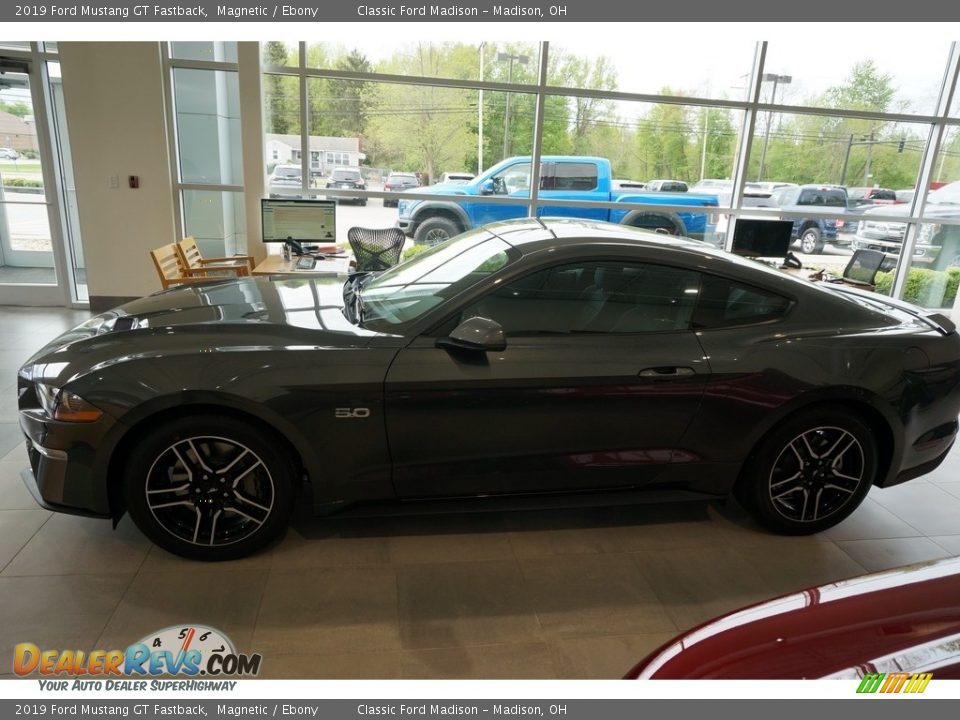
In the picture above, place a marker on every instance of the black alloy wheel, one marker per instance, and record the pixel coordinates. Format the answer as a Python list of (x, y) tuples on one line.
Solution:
[(209, 488), (811, 472)]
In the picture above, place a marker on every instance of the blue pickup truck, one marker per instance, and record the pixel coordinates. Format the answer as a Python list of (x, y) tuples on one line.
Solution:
[(432, 220)]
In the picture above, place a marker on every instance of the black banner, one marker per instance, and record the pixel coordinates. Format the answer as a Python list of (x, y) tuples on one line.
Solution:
[(578, 11)]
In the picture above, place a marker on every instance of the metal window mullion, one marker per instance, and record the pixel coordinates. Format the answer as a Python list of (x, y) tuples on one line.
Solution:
[(746, 140), (212, 187), (304, 119), (48, 168), (537, 132), (173, 147)]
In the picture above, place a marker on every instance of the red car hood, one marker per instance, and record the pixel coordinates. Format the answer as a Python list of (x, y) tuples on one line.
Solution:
[(900, 620)]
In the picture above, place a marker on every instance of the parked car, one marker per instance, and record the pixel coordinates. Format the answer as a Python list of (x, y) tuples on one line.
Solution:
[(540, 357), (455, 178), (813, 232), (899, 621), (710, 185), (399, 182), (346, 178), (284, 180), (870, 196), (905, 195), (937, 246), (8, 154), (766, 186), (677, 186), (563, 177)]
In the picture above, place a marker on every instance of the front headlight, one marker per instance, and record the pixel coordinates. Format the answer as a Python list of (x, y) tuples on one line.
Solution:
[(65, 405), (927, 233)]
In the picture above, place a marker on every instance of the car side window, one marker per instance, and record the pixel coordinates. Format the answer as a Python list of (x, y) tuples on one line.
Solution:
[(512, 179), (723, 303), (593, 297)]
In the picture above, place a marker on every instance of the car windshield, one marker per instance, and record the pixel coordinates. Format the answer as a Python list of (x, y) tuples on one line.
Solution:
[(405, 292), (947, 195), (346, 175), (287, 172)]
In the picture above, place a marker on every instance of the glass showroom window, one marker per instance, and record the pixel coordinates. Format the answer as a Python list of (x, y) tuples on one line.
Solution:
[(513, 62), (934, 263), (718, 69), (857, 74), (208, 151)]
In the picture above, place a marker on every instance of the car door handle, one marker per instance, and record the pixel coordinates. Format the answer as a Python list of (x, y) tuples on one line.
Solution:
[(666, 371)]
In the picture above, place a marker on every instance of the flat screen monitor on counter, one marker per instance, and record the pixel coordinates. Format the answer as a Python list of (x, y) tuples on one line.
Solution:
[(304, 221)]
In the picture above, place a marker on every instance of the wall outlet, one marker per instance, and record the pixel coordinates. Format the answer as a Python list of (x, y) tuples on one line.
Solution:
[(114, 182)]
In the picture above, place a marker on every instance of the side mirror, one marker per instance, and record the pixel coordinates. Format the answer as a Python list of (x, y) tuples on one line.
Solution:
[(476, 333), (486, 187)]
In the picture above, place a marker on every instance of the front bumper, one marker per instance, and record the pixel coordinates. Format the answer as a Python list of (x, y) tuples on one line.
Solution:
[(65, 473)]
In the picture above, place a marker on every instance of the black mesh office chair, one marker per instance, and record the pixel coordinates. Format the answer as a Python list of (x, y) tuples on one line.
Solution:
[(376, 249)]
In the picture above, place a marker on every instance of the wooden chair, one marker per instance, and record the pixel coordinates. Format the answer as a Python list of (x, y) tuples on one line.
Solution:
[(190, 257), (167, 261)]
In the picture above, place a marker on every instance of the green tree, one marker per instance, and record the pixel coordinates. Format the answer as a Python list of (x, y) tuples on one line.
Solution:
[(281, 93), (663, 142), (20, 109)]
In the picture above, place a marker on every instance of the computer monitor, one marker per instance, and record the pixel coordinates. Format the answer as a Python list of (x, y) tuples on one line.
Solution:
[(303, 221), (762, 238)]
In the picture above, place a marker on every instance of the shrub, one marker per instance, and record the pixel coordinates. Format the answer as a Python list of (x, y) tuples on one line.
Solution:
[(22, 182), (928, 288), (413, 251)]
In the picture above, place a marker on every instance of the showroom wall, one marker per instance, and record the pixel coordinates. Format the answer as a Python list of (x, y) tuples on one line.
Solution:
[(114, 100)]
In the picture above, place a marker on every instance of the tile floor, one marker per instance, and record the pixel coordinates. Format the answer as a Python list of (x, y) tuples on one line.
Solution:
[(578, 593)]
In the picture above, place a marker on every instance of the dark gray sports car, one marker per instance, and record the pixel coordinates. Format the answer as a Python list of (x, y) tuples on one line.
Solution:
[(531, 359)]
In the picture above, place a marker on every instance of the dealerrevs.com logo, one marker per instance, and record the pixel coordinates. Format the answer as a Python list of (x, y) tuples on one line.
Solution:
[(180, 651), (899, 682)]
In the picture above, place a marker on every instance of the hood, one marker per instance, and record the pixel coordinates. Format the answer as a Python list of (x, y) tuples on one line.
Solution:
[(264, 309), (906, 619), (442, 189)]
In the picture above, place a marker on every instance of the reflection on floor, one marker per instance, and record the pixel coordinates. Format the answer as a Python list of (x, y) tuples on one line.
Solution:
[(578, 593)]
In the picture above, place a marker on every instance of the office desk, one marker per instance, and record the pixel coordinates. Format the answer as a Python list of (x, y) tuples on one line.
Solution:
[(276, 265), (817, 275)]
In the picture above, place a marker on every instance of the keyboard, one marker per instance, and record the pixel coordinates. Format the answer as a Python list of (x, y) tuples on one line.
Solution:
[(306, 263)]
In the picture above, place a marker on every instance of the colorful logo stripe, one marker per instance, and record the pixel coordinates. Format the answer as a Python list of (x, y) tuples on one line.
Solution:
[(894, 682)]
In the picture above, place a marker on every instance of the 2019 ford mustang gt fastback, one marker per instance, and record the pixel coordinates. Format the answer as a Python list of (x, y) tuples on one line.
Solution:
[(531, 358)]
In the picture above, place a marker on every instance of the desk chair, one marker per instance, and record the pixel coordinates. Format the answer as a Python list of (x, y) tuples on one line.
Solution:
[(376, 249), (166, 259), (863, 267), (190, 257)]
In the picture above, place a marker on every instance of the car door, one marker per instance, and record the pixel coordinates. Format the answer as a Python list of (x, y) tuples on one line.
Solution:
[(573, 181), (598, 383), (511, 181)]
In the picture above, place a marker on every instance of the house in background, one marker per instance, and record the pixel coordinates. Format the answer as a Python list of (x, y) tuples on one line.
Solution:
[(326, 153), (16, 133)]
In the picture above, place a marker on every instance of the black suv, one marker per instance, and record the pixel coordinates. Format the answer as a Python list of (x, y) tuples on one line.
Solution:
[(347, 179), (399, 182)]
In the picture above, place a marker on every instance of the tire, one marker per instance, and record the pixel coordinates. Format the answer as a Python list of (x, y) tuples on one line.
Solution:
[(656, 222), (363, 203), (435, 230), (209, 487), (841, 465), (389, 203), (811, 241)]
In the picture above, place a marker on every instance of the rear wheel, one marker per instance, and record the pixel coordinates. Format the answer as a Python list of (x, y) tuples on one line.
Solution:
[(811, 472), (811, 241), (209, 487)]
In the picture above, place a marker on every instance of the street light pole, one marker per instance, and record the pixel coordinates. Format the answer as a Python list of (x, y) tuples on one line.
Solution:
[(768, 77), (522, 59)]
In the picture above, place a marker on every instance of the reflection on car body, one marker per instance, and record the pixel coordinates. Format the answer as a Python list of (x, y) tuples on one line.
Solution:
[(525, 358)]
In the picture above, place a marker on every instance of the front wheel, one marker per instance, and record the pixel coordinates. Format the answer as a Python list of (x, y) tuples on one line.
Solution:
[(435, 230), (810, 473), (209, 487), (811, 242)]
